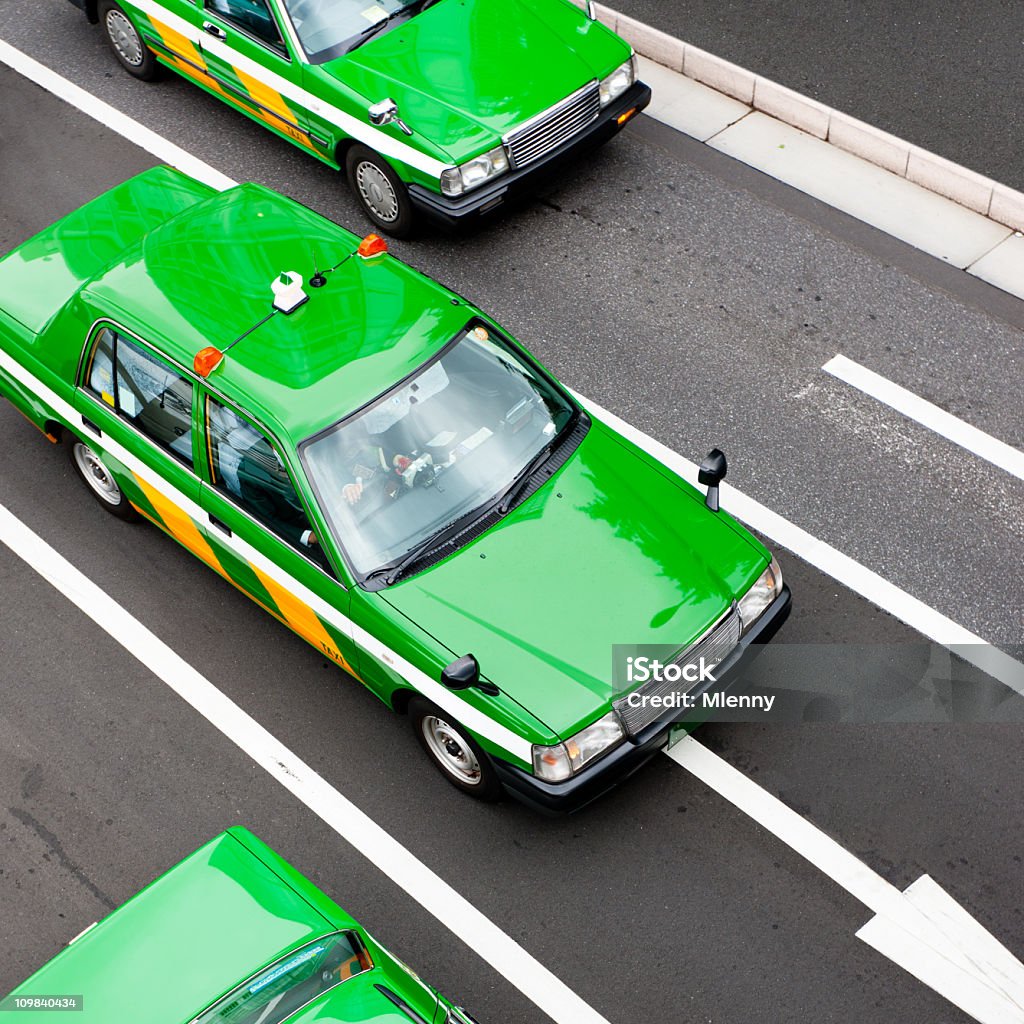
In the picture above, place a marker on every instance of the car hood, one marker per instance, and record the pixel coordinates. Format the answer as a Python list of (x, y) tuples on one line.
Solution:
[(464, 72), (191, 935), (614, 549)]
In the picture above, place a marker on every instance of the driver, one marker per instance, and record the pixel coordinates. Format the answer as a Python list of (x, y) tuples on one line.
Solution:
[(267, 491)]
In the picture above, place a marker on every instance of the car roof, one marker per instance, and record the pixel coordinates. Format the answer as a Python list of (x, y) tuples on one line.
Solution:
[(204, 278), (225, 908)]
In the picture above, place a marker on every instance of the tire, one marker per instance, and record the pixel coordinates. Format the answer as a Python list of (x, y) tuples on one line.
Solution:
[(126, 42), (381, 194), (98, 480), (453, 752)]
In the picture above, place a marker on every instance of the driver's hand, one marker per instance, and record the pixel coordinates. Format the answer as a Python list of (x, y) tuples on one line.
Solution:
[(352, 492)]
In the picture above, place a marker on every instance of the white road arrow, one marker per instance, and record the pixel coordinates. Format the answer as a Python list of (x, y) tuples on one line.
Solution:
[(923, 930)]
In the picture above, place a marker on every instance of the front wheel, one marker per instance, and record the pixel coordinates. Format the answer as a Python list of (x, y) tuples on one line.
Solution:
[(455, 755), (90, 469), (380, 192), (126, 42)]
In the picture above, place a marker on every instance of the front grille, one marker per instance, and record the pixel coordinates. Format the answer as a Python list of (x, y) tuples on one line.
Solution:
[(714, 647), (549, 129)]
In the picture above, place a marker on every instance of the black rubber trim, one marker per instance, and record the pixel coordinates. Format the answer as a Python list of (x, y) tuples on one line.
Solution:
[(618, 765), (455, 210)]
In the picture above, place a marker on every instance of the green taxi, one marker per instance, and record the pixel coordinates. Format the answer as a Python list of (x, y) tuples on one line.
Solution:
[(384, 469), (231, 935), (436, 108)]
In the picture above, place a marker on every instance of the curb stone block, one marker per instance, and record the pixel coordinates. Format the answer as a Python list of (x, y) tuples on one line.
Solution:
[(658, 46), (719, 74), (939, 175), (869, 143), (799, 111)]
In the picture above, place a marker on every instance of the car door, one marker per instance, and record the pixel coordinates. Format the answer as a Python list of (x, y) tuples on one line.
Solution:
[(263, 535), (250, 56), (138, 407)]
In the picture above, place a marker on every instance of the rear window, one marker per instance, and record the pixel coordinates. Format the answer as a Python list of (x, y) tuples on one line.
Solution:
[(288, 984)]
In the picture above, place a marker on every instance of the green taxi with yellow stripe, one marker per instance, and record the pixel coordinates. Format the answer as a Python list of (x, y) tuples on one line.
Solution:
[(380, 466), (444, 109)]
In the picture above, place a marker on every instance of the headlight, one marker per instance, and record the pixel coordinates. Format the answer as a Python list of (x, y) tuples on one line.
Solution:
[(753, 603), (456, 180), (557, 763), (618, 81)]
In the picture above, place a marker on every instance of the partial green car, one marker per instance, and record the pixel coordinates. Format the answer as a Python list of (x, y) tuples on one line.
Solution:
[(231, 935), (444, 109), (384, 469)]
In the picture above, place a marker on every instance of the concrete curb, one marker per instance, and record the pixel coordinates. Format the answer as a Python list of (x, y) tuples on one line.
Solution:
[(966, 187)]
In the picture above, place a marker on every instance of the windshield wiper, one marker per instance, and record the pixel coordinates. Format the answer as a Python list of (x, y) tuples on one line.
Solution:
[(522, 480), (369, 32), (395, 569)]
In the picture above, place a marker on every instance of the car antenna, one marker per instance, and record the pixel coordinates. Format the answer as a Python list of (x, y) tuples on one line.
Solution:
[(317, 280)]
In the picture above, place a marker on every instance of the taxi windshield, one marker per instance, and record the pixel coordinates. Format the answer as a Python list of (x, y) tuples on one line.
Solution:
[(448, 440), (329, 28), (291, 982)]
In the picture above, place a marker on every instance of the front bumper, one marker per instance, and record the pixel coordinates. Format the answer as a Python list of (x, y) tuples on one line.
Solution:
[(456, 210), (624, 760)]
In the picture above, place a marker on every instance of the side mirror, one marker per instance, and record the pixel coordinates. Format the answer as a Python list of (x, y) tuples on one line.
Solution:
[(712, 473), (385, 112), (463, 673)]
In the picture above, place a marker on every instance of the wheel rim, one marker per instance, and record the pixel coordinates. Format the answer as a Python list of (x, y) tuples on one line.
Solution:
[(95, 474), (124, 37), (451, 751), (376, 191)]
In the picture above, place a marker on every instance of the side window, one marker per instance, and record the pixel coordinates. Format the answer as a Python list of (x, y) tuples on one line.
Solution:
[(253, 16), (146, 391), (245, 465)]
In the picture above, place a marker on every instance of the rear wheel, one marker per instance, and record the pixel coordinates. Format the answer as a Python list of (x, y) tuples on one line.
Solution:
[(97, 478), (126, 42), (455, 755), (380, 192)]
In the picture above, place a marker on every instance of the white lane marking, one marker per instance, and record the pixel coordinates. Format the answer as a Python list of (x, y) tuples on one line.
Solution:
[(435, 895), (852, 574), (364, 131), (113, 118), (471, 717), (966, 965), (928, 415)]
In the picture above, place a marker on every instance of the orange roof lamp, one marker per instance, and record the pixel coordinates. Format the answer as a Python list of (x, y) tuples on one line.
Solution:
[(372, 245), (207, 360)]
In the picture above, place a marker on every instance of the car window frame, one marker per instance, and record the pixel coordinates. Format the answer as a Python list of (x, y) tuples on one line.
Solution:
[(82, 386), (206, 478), (284, 52), (475, 318), (360, 943)]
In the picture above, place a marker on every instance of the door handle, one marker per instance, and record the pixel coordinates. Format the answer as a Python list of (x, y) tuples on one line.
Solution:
[(223, 527), (214, 30), (89, 425)]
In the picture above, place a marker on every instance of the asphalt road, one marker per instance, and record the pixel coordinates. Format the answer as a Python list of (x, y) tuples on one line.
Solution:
[(698, 300), (942, 74)]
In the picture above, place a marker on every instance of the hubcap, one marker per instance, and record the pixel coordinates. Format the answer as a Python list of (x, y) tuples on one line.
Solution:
[(124, 37), (376, 191), (95, 474), (451, 751)]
